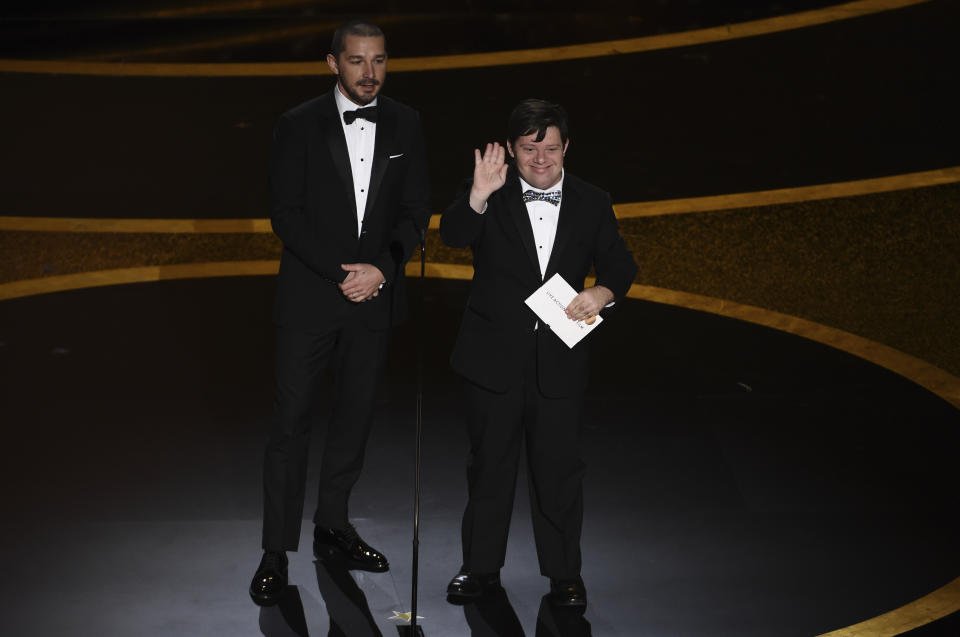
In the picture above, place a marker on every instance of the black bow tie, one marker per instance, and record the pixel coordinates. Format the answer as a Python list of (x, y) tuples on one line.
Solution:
[(368, 113)]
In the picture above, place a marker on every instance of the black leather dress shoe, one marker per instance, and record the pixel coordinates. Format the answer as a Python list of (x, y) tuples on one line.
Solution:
[(568, 592), (270, 580), (346, 544), (466, 584)]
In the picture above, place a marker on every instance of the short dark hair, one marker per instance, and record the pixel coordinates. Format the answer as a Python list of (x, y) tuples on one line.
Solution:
[(358, 27), (536, 116)]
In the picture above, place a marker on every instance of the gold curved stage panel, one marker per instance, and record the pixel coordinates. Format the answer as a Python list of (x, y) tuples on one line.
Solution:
[(789, 195), (141, 274), (161, 226), (475, 60), (623, 211), (940, 603)]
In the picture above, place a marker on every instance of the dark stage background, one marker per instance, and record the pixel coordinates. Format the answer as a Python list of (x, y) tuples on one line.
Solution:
[(772, 425)]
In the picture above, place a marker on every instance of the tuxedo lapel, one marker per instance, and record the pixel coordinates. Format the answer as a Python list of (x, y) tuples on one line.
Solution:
[(566, 223), (332, 132), (518, 212), (386, 129)]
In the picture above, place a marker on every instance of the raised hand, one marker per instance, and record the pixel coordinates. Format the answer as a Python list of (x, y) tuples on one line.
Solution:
[(489, 174)]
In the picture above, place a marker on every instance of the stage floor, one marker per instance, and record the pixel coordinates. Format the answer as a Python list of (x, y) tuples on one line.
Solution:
[(741, 481)]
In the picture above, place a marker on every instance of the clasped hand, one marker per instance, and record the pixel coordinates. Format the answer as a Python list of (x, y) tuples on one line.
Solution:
[(362, 282)]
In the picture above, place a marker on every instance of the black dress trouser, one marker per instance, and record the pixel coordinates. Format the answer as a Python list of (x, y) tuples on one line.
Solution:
[(497, 425), (356, 355)]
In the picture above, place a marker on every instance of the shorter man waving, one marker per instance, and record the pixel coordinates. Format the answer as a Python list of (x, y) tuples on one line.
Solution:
[(525, 223)]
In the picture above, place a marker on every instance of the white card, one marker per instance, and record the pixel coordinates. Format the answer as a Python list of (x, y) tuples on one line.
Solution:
[(550, 303)]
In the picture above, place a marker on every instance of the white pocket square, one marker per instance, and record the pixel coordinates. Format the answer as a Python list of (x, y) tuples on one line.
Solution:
[(395, 156)]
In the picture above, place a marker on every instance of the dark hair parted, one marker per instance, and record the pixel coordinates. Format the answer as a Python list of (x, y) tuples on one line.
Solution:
[(536, 116), (360, 28)]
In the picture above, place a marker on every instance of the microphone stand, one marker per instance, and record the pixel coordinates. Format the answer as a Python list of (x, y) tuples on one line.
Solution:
[(412, 630)]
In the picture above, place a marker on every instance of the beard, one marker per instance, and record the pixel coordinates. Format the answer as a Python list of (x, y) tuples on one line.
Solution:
[(355, 96)]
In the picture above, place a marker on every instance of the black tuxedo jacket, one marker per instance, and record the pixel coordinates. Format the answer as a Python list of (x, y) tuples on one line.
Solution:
[(497, 323), (313, 211)]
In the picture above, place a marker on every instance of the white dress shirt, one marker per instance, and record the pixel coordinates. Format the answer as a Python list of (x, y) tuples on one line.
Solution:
[(361, 136), (543, 219)]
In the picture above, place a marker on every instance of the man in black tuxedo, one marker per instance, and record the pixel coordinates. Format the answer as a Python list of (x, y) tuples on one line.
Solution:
[(349, 199), (524, 224)]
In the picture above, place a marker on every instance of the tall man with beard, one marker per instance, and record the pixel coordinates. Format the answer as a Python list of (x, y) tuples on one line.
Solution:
[(524, 223), (349, 198)]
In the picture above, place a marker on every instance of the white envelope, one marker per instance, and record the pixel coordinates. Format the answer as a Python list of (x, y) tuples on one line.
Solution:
[(550, 303)]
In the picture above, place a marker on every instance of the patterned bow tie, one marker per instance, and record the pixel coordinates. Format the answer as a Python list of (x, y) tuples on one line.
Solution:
[(549, 197), (368, 113)]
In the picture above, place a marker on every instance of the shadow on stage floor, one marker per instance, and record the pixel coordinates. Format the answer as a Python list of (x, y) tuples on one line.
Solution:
[(741, 481)]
